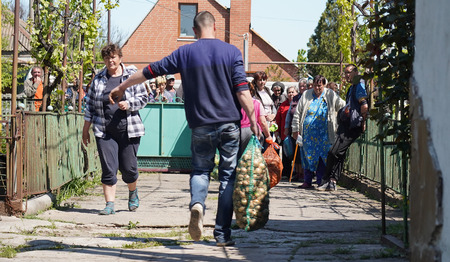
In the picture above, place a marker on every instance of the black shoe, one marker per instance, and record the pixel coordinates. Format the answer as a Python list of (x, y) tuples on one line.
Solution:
[(225, 243)]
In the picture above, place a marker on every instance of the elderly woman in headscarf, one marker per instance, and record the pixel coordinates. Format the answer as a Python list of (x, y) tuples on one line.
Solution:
[(278, 95), (314, 126)]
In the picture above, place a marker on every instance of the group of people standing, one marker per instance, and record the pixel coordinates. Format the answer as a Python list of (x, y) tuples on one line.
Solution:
[(216, 95), (162, 89), (310, 115)]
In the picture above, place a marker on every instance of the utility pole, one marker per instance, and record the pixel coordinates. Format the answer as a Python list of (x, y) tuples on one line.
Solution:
[(66, 40), (109, 24), (15, 57)]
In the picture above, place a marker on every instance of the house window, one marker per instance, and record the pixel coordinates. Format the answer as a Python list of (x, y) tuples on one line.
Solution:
[(187, 14)]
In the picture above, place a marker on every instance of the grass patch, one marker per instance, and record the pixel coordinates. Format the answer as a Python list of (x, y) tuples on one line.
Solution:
[(396, 230), (112, 235), (387, 253), (10, 251), (331, 241), (297, 247), (343, 250), (77, 187), (132, 225), (152, 243)]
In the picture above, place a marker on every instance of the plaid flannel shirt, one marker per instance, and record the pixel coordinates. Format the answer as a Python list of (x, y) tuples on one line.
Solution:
[(136, 96)]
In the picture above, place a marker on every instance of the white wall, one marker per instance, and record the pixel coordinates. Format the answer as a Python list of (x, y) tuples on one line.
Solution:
[(432, 73)]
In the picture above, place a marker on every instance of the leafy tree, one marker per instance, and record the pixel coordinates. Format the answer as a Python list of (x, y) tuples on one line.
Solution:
[(50, 23), (274, 73), (323, 44), (8, 20), (301, 57), (391, 55)]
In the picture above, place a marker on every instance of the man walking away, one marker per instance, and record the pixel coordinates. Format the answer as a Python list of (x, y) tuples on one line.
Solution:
[(345, 135), (214, 84)]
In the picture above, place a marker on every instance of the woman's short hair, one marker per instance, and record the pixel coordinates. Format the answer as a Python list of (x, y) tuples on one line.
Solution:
[(259, 75), (160, 80), (320, 79), (303, 81), (292, 87), (111, 49)]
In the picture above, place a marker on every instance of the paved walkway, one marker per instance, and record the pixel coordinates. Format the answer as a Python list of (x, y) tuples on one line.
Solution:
[(304, 225)]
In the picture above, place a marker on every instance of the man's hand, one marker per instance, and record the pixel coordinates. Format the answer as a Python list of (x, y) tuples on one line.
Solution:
[(123, 105), (37, 79), (255, 130), (115, 95)]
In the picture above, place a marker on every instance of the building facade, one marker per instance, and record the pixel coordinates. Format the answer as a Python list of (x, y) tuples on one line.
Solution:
[(168, 25)]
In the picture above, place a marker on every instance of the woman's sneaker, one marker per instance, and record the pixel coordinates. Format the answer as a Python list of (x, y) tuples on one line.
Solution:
[(108, 210), (133, 200)]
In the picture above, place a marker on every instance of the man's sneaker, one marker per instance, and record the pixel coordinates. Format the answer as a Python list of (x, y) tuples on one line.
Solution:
[(332, 186), (224, 243), (196, 222), (328, 186), (324, 186)]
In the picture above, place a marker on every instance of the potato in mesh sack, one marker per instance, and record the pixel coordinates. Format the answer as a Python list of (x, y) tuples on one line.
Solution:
[(251, 189)]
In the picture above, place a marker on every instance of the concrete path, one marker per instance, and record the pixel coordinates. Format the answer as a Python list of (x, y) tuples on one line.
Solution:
[(304, 225)]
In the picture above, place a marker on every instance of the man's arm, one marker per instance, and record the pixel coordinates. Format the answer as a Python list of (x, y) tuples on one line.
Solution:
[(245, 99), (117, 93)]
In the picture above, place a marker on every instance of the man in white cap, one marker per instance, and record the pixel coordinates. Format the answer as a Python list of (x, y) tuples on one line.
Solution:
[(170, 93)]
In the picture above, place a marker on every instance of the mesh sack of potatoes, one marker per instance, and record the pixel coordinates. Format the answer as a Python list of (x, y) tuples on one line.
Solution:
[(251, 189)]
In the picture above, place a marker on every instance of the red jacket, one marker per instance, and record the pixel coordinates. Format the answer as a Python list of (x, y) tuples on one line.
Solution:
[(280, 118)]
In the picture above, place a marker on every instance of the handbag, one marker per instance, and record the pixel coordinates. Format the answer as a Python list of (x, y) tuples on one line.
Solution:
[(350, 113), (288, 147)]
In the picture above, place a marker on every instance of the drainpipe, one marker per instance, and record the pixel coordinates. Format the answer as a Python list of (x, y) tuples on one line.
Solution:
[(245, 52)]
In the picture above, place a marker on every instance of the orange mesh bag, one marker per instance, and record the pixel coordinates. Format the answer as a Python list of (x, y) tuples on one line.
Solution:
[(273, 161)]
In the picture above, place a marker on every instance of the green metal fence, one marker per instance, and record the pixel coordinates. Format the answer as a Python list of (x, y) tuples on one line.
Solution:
[(44, 152), (167, 140), (364, 159)]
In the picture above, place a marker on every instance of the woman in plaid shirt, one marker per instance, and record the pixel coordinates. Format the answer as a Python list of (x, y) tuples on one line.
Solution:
[(117, 128)]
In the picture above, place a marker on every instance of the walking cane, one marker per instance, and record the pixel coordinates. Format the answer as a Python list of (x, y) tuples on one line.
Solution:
[(293, 162)]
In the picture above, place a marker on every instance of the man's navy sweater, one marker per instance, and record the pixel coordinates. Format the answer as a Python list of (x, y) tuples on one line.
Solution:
[(212, 72)]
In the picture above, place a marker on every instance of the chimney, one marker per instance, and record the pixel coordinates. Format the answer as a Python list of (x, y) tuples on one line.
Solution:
[(240, 19)]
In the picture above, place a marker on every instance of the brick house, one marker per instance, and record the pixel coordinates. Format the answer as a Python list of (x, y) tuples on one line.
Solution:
[(168, 26)]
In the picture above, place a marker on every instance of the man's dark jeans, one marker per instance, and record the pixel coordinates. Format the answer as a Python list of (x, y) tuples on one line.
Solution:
[(336, 156)]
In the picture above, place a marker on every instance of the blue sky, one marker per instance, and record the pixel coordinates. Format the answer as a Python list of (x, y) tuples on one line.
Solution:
[(286, 24)]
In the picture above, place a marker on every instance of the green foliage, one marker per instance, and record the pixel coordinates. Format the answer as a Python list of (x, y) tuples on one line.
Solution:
[(8, 251), (301, 57), (274, 73), (391, 55), (48, 36), (77, 187), (132, 225), (323, 44), (345, 24)]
